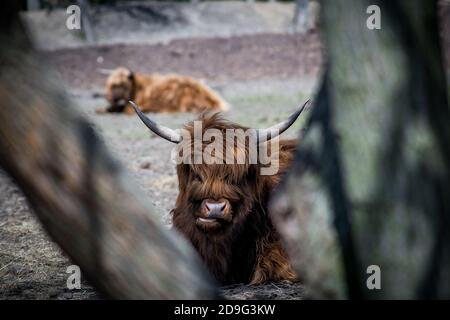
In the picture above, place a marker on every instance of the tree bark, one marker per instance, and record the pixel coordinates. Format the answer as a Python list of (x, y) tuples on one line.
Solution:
[(300, 14), (86, 20), (83, 197), (371, 176)]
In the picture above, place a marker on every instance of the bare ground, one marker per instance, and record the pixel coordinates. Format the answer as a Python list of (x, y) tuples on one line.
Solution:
[(218, 60)]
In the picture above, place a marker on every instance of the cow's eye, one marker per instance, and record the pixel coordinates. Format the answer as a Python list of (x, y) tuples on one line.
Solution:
[(198, 178)]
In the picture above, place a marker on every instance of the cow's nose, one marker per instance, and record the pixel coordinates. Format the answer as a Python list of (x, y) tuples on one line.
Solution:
[(215, 210)]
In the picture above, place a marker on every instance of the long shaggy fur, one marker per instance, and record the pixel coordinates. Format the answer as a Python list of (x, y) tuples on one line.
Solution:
[(247, 248), (159, 93)]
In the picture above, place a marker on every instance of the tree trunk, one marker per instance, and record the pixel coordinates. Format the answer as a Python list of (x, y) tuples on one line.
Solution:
[(83, 197), (371, 177), (86, 20), (300, 15)]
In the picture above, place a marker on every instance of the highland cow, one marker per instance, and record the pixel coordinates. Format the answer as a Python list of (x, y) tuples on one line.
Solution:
[(159, 93), (222, 208)]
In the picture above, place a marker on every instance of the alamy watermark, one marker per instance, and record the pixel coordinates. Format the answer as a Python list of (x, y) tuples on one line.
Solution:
[(374, 280), (73, 21), (373, 22), (74, 279)]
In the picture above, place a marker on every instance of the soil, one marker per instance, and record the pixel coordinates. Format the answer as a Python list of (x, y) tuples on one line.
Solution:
[(217, 60)]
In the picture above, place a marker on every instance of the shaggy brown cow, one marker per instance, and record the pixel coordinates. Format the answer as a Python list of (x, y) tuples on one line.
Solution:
[(222, 208), (159, 93)]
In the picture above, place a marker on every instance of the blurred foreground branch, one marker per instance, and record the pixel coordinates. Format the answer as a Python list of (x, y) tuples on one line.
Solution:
[(79, 192)]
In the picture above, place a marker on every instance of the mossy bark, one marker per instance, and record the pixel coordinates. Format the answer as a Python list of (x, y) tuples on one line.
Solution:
[(376, 158)]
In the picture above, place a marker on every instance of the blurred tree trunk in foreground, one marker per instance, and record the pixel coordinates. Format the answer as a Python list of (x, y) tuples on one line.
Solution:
[(371, 179), (81, 195)]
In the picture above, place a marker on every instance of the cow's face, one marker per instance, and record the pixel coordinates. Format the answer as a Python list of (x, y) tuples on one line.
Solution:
[(216, 196), (119, 87)]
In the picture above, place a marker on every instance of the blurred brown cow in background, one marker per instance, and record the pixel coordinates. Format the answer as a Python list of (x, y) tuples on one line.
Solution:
[(159, 93)]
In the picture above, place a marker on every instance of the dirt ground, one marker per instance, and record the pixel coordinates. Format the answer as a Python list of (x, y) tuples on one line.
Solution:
[(217, 60), (268, 72)]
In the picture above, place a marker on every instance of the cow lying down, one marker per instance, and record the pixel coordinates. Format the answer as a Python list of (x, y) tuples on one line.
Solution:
[(158, 93), (222, 208)]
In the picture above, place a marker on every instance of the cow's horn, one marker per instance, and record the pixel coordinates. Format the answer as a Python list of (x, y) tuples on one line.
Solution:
[(105, 71), (163, 132), (274, 131)]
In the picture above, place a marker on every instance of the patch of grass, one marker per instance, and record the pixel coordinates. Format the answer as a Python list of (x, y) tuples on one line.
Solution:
[(266, 110), (269, 100)]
